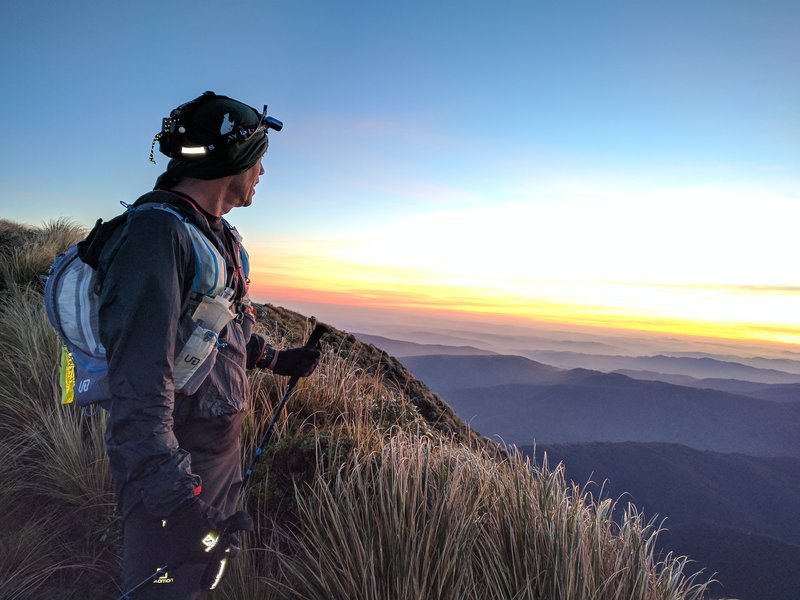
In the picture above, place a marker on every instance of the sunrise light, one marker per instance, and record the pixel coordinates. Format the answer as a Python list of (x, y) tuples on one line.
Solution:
[(712, 265)]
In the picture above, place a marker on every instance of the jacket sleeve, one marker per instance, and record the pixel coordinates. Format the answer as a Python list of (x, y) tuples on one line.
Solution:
[(259, 352), (146, 284)]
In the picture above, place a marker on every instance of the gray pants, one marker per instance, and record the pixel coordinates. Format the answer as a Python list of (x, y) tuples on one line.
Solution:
[(214, 447)]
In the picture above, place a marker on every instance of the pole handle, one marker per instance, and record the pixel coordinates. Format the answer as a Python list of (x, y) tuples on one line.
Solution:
[(319, 331)]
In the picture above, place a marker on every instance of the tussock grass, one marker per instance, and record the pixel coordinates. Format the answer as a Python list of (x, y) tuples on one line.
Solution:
[(343, 400), (14, 234), (357, 495), (71, 461), (27, 253), (57, 527), (425, 519), (28, 355), (28, 558), (399, 524)]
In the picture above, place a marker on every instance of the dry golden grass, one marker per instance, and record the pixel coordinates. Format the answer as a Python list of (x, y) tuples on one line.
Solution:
[(427, 519), (26, 253)]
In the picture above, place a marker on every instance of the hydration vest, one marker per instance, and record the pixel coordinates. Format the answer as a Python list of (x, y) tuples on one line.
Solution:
[(72, 302)]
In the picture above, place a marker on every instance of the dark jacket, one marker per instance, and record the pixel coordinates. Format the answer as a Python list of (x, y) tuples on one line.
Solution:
[(146, 270)]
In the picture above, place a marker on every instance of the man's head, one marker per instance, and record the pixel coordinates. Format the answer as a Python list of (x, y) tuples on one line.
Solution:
[(212, 137)]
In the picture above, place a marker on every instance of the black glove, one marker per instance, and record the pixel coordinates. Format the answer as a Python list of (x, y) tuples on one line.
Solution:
[(195, 530), (225, 549), (297, 362)]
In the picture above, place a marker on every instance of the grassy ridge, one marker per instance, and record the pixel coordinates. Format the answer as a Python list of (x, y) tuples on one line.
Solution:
[(371, 487)]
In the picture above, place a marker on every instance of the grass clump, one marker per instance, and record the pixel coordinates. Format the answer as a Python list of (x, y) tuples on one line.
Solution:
[(424, 518), (26, 253), (59, 537)]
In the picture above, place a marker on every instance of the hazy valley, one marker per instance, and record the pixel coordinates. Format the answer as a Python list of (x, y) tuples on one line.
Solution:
[(711, 444)]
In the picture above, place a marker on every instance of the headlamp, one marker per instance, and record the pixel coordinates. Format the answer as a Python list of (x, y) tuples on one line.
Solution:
[(177, 140)]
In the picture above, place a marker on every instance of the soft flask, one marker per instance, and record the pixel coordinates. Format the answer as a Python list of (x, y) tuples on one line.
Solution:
[(197, 357)]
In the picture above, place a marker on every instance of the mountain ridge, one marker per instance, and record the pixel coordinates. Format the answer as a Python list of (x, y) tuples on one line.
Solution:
[(776, 392), (702, 368), (753, 493), (398, 348), (733, 514), (552, 405)]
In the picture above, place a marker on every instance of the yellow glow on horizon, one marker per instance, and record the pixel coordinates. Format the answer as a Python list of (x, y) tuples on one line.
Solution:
[(694, 262), (710, 312)]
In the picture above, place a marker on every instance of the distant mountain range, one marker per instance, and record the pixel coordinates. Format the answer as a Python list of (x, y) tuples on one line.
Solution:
[(569, 354), (787, 392), (702, 368), (440, 372), (523, 402), (712, 445), (790, 365), (747, 566), (399, 348), (733, 514), (681, 370), (752, 493)]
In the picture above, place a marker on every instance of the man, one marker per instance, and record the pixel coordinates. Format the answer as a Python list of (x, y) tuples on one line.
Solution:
[(173, 445)]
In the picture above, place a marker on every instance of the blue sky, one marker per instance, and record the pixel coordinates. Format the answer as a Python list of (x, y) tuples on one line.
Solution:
[(406, 111)]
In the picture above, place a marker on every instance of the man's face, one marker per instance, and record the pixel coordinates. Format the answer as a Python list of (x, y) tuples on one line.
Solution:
[(244, 184)]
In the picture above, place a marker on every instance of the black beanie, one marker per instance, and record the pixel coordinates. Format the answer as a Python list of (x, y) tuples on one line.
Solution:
[(205, 123)]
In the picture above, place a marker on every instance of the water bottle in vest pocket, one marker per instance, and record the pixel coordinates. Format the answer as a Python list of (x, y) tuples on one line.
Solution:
[(195, 360), (198, 355)]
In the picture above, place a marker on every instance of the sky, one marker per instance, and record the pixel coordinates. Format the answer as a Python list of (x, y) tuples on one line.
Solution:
[(615, 166)]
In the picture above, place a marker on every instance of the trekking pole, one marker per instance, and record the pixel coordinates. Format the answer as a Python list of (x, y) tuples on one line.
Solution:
[(316, 335), (225, 548), (213, 573)]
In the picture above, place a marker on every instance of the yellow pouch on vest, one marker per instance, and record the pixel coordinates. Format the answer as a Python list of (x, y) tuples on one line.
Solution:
[(66, 376)]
